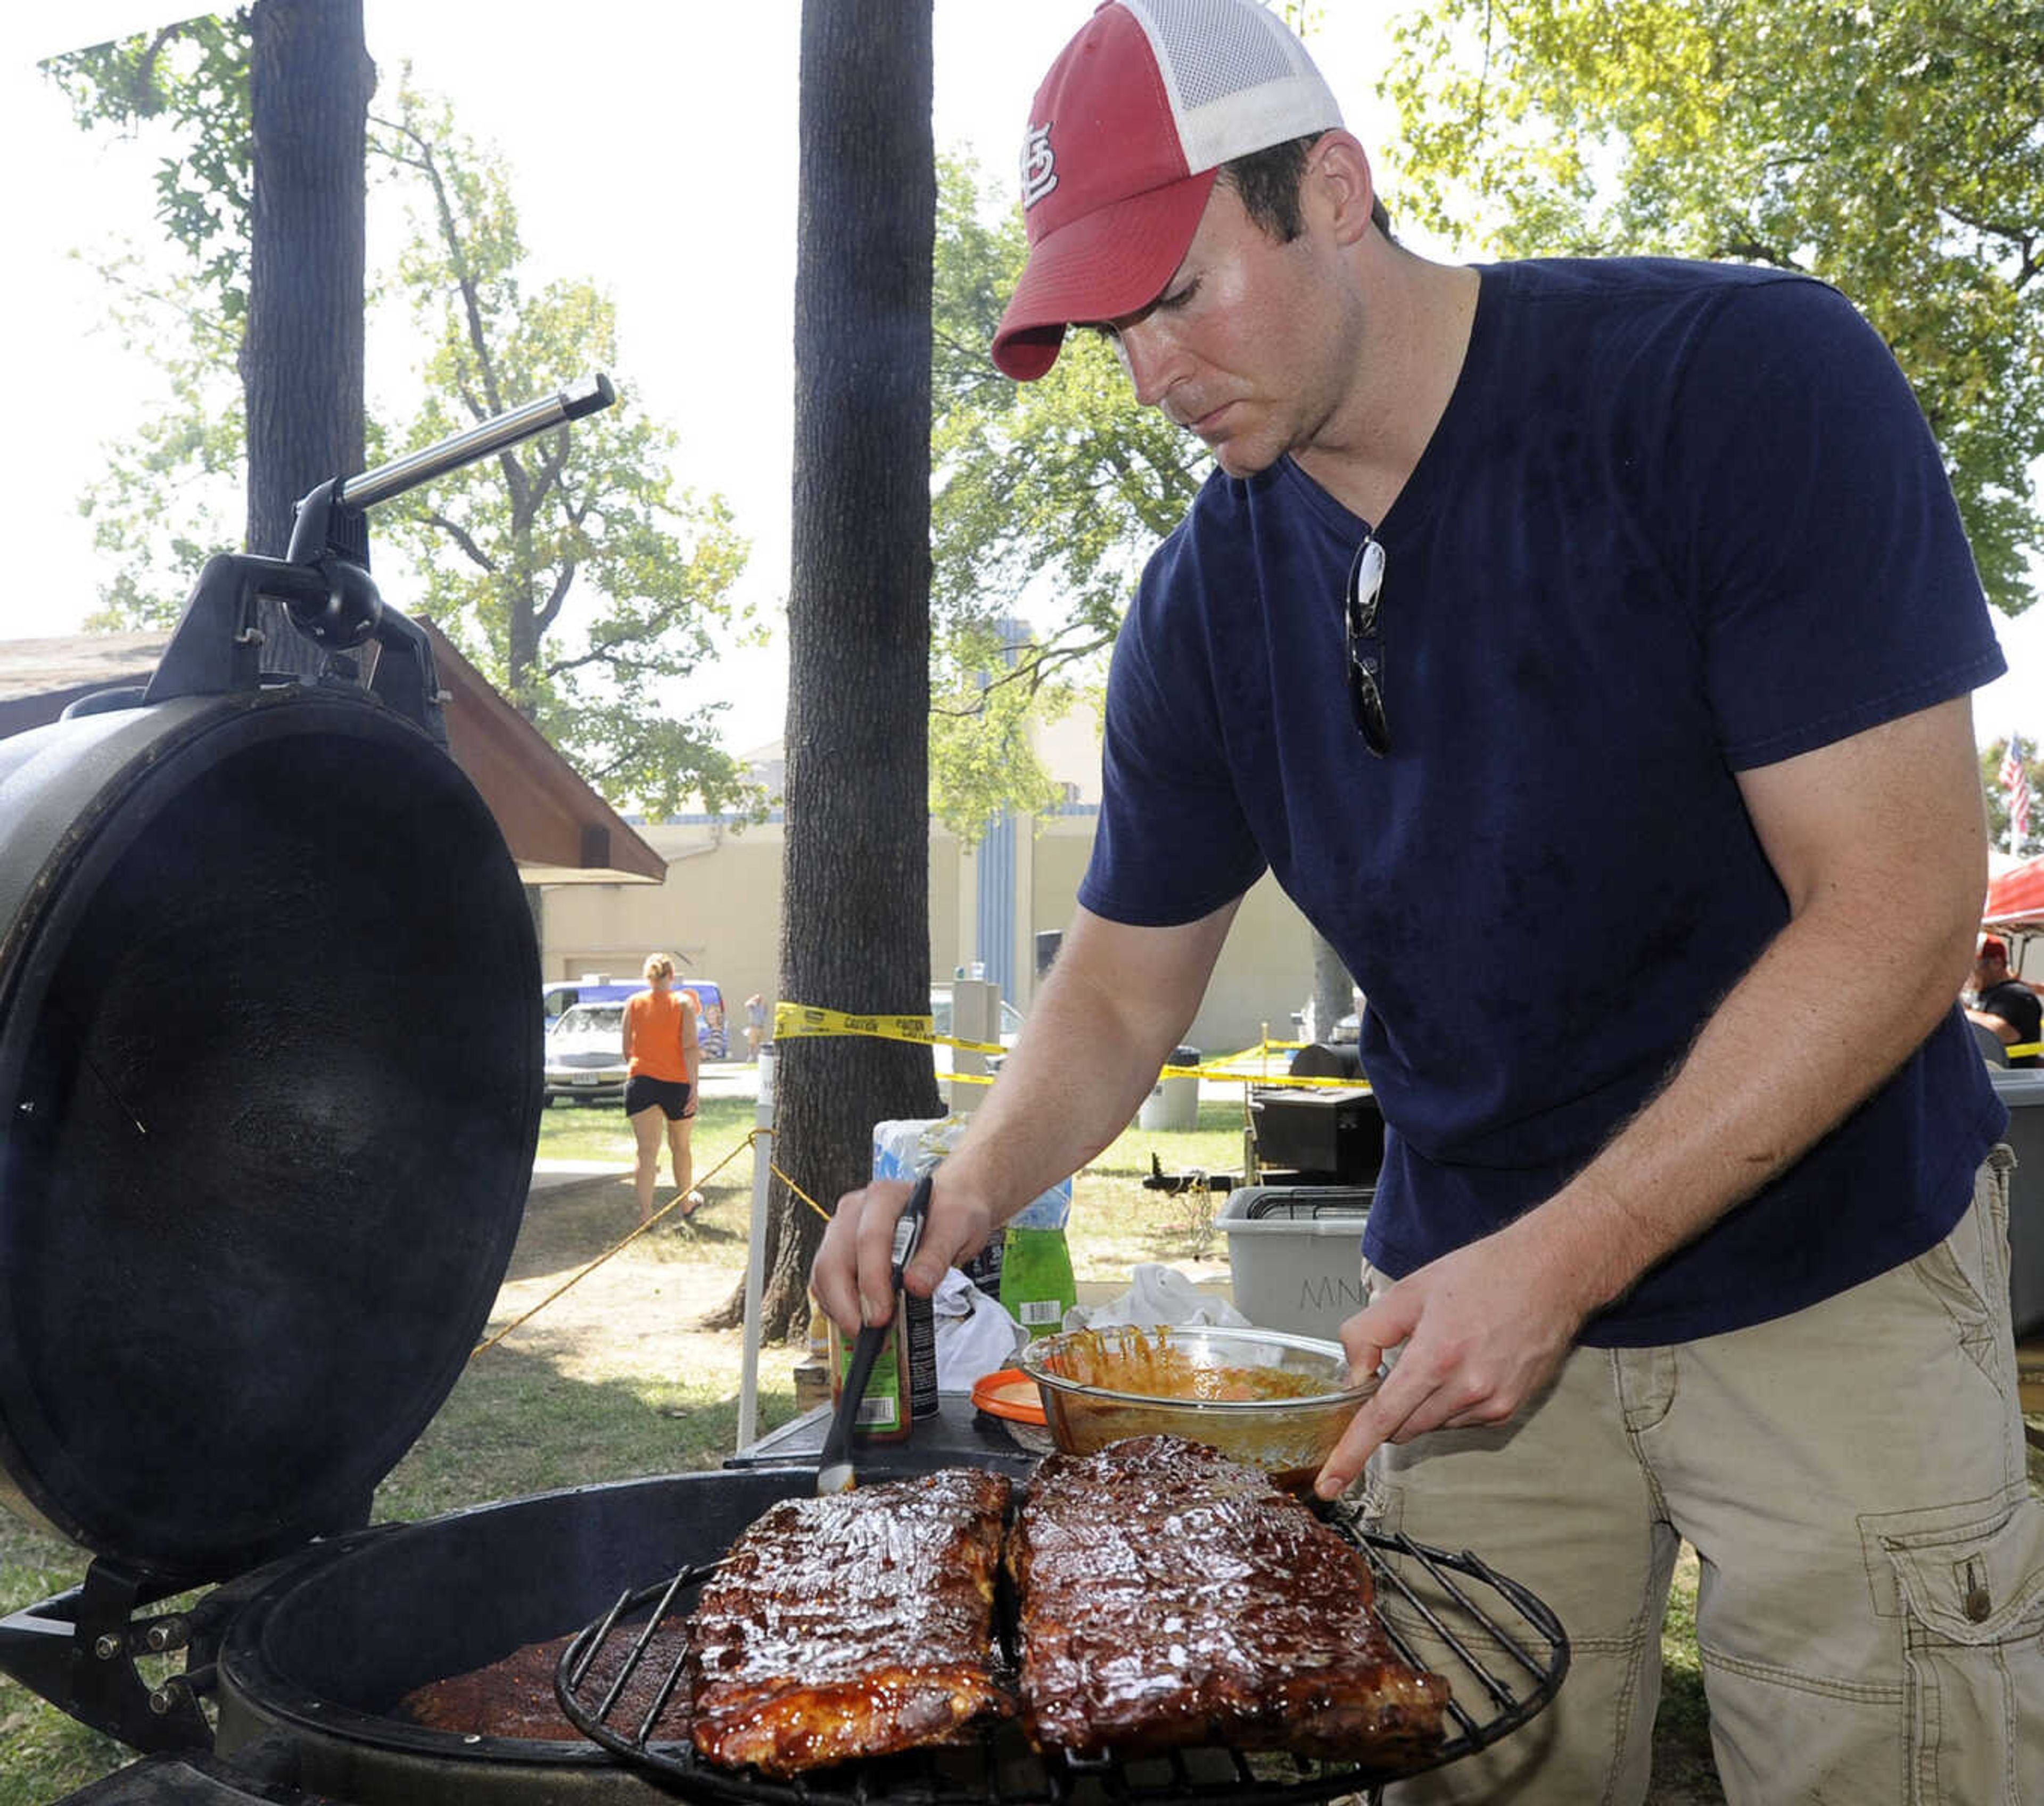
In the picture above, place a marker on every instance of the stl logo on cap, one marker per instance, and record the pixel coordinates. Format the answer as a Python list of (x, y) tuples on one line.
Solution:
[(1039, 166)]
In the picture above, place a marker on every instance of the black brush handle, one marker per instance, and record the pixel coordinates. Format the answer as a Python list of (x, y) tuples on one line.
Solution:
[(865, 1352), (908, 1229), (866, 1349)]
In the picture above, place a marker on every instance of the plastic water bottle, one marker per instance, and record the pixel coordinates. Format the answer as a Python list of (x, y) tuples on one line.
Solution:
[(1036, 1282)]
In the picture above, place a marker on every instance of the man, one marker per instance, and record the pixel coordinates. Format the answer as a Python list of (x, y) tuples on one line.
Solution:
[(1618, 612), (2003, 1003)]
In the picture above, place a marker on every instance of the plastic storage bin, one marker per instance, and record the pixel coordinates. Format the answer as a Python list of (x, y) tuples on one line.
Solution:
[(1295, 1254), (2023, 1091)]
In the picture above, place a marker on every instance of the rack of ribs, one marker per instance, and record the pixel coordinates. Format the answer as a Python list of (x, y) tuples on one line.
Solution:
[(856, 1625), (1171, 1596)]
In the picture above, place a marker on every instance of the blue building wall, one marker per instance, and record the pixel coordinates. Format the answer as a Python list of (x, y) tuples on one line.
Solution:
[(994, 928)]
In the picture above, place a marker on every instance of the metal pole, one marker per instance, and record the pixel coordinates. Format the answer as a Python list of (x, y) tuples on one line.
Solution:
[(756, 1253), (367, 488), (975, 1017)]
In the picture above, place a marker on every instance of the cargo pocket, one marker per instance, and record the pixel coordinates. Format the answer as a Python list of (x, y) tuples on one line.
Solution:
[(1970, 1597)]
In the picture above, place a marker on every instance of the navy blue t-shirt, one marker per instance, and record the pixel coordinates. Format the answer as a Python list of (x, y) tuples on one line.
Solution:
[(1679, 520)]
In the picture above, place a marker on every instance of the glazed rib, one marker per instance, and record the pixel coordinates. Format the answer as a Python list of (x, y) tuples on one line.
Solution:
[(856, 1625), (1170, 1596)]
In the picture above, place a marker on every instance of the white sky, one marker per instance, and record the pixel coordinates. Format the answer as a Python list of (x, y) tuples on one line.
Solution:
[(652, 148)]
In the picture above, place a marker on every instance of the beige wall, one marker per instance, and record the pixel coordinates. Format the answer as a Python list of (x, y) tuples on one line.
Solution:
[(719, 912), (946, 883)]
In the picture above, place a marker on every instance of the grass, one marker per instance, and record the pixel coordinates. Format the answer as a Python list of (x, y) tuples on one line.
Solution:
[(1683, 1770), (612, 1380)]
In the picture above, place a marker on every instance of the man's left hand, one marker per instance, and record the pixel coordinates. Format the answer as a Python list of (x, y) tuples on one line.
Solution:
[(1481, 1331)]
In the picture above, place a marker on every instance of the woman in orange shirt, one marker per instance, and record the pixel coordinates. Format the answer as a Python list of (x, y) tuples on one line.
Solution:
[(660, 1056)]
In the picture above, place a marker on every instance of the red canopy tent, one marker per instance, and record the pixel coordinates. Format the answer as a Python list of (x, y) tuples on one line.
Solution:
[(2016, 897)]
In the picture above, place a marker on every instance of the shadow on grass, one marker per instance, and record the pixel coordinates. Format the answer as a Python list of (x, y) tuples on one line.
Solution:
[(565, 1230), (516, 1424)]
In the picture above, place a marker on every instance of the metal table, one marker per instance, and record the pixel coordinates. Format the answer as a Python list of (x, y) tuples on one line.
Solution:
[(959, 1436)]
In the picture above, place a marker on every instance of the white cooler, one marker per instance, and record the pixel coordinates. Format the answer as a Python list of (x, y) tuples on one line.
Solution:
[(1295, 1254)]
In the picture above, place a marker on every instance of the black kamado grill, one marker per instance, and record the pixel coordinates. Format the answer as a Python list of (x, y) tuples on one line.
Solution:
[(270, 1080)]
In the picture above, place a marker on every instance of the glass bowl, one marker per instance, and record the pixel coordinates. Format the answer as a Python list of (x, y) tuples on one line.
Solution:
[(1276, 1401)]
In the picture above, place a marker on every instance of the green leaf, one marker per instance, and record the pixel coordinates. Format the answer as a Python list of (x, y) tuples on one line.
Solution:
[(1892, 151), (570, 570)]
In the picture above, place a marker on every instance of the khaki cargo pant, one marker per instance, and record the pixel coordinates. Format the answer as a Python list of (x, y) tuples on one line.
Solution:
[(1870, 1613)]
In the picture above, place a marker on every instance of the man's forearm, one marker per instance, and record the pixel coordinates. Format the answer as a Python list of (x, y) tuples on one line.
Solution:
[(1067, 1091), (1999, 1026), (1792, 1049), (1883, 888), (1097, 1031), (1112, 1009)]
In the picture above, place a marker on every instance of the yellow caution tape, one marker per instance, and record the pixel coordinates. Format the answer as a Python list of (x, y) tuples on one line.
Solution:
[(794, 1021), (1252, 1065), (1277, 1080)]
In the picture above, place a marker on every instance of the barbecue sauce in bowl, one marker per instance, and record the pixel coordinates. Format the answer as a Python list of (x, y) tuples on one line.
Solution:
[(1276, 1401)]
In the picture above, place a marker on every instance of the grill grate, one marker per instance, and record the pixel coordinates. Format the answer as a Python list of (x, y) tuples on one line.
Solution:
[(1502, 1651)]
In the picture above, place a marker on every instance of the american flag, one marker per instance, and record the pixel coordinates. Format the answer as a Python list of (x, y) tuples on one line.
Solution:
[(2016, 781)]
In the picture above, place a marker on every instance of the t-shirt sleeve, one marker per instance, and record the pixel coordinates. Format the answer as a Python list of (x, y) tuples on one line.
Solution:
[(1836, 589), (1172, 844), (2017, 1005)]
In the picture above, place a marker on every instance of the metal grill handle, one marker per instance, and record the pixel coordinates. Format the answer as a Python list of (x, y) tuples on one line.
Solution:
[(585, 396)]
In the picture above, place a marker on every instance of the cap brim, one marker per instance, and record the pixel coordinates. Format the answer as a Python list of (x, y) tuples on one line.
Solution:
[(1113, 261)]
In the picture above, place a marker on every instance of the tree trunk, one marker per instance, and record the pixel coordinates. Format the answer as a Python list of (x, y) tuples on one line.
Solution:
[(1334, 990), (309, 80), (855, 932)]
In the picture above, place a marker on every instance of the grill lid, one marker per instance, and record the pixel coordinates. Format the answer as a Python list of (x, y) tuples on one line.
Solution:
[(270, 1084)]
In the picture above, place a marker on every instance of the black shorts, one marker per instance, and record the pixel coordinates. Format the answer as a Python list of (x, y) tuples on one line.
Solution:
[(642, 1094)]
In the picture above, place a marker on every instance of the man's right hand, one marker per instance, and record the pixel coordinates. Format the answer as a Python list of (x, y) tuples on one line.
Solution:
[(1117, 998), (853, 1277)]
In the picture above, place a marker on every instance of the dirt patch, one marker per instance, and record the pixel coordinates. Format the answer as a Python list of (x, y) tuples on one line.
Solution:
[(637, 1311)]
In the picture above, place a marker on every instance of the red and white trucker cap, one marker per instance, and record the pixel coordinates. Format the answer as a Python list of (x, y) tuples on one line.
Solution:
[(1126, 136)]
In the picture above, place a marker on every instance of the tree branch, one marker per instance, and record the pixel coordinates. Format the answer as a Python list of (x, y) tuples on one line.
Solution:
[(142, 96), (1036, 671), (459, 534), (564, 579), (607, 653)]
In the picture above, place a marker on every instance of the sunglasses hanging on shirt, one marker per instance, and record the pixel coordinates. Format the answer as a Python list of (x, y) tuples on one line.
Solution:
[(1364, 646)]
